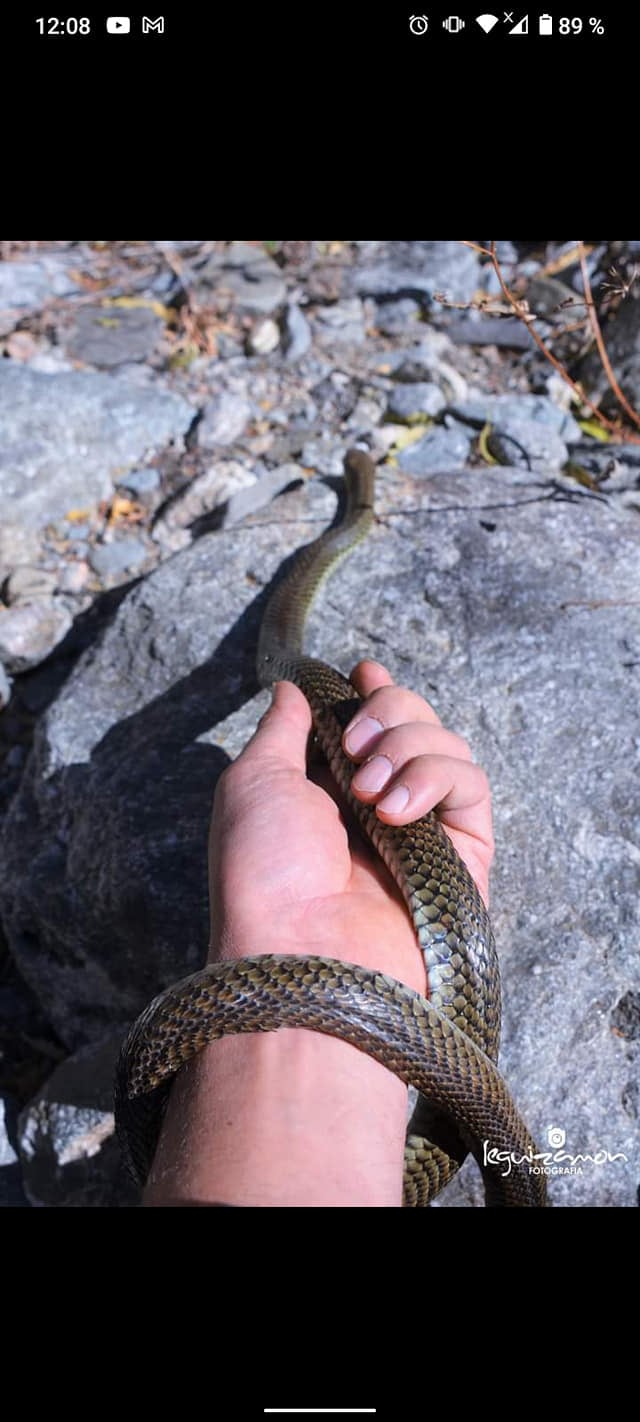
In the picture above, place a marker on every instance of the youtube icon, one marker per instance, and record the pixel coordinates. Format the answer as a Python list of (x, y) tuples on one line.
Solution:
[(118, 25)]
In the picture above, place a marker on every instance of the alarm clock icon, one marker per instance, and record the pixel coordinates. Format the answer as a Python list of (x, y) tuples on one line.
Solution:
[(419, 24)]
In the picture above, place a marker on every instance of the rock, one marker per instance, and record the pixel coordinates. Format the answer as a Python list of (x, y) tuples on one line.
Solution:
[(27, 583), (141, 482), (549, 297), (108, 336), (419, 270), (408, 403), (30, 630), (8, 1155), (21, 345), (203, 494), (516, 621), (497, 409), (336, 396), (11, 1192), (506, 332), (67, 439), (428, 361), (325, 454), (67, 1144), (393, 318), (246, 273), (123, 555), (224, 420), (296, 333), (26, 285), (254, 496), (74, 577), (17, 545), (527, 445), (263, 338), (440, 450), (342, 322), (5, 687)]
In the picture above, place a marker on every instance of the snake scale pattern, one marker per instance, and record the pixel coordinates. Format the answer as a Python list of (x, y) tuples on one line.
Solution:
[(447, 1046)]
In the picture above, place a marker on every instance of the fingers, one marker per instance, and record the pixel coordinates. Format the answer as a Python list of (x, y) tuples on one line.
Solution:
[(427, 781), (410, 762), (386, 706), (283, 731)]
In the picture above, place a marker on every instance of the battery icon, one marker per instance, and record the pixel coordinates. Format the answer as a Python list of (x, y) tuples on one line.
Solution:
[(545, 25)]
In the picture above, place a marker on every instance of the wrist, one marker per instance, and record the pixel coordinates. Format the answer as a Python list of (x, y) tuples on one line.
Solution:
[(281, 1118)]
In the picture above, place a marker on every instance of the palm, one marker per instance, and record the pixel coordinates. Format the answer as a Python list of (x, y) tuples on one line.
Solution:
[(290, 873)]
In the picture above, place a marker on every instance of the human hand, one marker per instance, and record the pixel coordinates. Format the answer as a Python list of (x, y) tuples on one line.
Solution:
[(288, 875), (293, 1117)]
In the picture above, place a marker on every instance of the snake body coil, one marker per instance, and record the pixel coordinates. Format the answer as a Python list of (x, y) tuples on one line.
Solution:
[(445, 1046)]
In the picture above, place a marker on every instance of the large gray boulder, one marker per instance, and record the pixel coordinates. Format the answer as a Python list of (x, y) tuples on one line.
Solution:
[(66, 440), (513, 607)]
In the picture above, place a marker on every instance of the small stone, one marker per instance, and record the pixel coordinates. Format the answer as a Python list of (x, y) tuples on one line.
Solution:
[(410, 403), (74, 577), (527, 445), (66, 1137), (393, 318), (248, 274), (296, 332), (11, 1192), (224, 419), (498, 409), (341, 323), (8, 1155), (30, 630), (21, 345), (29, 284), (263, 338), (419, 270), (108, 336), (440, 451), (5, 687), (427, 361), (26, 584), (202, 495), (141, 481), (108, 560), (246, 501), (506, 331), (325, 455)]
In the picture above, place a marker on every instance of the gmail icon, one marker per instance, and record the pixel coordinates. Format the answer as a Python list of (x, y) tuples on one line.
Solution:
[(157, 25)]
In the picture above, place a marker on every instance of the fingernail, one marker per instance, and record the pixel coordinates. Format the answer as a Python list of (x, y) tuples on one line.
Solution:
[(374, 774), (396, 801), (357, 736)]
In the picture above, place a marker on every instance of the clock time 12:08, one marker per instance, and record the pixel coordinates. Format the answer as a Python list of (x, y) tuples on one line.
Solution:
[(71, 26)]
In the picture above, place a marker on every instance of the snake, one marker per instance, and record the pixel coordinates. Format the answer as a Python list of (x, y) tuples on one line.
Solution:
[(445, 1045)]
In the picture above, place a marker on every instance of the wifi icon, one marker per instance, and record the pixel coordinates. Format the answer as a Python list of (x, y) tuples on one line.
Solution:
[(487, 22)]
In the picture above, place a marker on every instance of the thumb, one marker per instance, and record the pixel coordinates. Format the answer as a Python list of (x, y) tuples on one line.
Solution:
[(283, 732)]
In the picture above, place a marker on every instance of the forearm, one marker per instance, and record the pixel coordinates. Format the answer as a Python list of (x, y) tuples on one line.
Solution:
[(282, 1118)]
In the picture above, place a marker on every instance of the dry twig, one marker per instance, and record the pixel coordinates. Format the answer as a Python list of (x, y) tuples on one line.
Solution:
[(522, 311)]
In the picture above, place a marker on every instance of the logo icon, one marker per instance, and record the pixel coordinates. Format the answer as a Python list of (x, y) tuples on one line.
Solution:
[(487, 22), (556, 1137), (157, 25), (419, 24), (118, 25)]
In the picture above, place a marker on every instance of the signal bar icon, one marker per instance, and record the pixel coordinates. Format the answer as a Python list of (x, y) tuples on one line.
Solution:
[(487, 22)]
